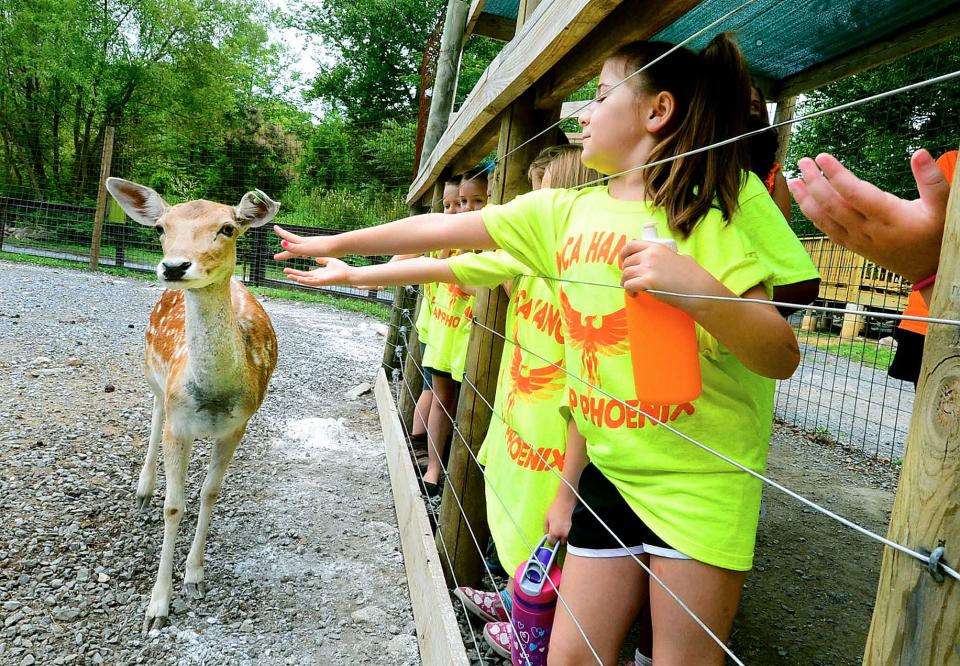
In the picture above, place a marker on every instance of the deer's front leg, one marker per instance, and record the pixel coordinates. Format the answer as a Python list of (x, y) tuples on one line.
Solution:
[(176, 456), (220, 457), (148, 473)]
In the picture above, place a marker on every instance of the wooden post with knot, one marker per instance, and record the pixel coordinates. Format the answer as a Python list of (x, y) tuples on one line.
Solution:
[(916, 619)]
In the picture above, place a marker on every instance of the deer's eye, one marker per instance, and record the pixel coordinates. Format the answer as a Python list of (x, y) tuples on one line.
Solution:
[(159, 230), (228, 230)]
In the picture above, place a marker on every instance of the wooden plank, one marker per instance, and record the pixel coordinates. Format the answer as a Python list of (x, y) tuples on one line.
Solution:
[(473, 15), (438, 633), (630, 21), (901, 42), (495, 27), (916, 620), (557, 27)]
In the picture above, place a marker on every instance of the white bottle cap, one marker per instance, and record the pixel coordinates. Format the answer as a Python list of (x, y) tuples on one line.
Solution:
[(650, 234)]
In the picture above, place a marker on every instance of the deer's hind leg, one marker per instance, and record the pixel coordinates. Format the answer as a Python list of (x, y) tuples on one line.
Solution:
[(148, 473), (221, 454)]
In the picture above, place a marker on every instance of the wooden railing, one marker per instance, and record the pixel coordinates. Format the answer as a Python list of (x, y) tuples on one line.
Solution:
[(846, 276)]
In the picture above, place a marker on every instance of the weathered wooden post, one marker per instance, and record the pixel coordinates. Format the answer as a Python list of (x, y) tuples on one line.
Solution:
[(786, 108), (105, 161), (520, 122), (916, 619), (441, 104)]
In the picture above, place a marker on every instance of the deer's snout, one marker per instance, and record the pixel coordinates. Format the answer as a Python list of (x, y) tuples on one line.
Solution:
[(174, 269)]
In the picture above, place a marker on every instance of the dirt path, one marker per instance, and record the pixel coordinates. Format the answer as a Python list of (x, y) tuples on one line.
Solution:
[(303, 558)]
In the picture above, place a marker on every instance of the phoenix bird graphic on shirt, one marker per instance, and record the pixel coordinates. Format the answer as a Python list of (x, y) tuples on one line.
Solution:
[(531, 384), (594, 336)]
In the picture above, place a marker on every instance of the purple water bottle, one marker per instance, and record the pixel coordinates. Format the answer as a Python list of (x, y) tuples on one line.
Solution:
[(534, 603)]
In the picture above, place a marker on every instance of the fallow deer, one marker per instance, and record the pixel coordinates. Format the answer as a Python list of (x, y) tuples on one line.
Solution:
[(210, 351)]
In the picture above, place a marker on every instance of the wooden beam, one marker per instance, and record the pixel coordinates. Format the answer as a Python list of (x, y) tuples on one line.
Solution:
[(438, 633), (106, 160), (630, 21), (903, 41), (916, 619), (559, 27), (495, 27), (473, 15), (464, 478)]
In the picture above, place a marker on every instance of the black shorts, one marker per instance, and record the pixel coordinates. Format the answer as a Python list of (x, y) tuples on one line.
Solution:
[(589, 538), (427, 377)]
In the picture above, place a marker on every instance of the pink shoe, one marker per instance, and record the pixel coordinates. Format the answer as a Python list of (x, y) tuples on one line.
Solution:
[(499, 636), (487, 606)]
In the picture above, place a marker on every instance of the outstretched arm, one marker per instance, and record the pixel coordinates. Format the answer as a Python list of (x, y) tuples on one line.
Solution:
[(411, 235), (903, 236), (394, 273)]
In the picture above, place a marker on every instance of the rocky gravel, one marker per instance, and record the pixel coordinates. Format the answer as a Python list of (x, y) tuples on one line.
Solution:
[(303, 557)]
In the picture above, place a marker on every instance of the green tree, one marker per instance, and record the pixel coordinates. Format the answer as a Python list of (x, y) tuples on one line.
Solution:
[(376, 48), (876, 140)]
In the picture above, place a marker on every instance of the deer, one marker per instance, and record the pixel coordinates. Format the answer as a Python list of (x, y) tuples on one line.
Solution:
[(209, 354)]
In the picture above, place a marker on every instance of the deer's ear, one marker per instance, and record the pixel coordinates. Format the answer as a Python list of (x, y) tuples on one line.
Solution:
[(142, 204), (256, 209)]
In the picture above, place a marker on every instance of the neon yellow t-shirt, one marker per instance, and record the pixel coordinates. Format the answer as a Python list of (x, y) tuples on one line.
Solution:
[(696, 502), (527, 437), (772, 238), (449, 334), (426, 309)]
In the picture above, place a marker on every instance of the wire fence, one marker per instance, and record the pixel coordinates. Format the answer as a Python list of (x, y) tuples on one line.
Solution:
[(341, 179), (841, 391)]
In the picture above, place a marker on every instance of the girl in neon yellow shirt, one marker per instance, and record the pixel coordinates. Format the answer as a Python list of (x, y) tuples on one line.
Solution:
[(690, 514)]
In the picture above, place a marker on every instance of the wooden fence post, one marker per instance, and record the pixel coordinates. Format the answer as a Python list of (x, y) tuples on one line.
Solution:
[(403, 301), (105, 161), (459, 528), (916, 619), (786, 108), (258, 263)]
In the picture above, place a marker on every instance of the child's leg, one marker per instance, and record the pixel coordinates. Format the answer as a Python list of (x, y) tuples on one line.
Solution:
[(439, 424), (713, 594), (604, 595), (421, 414)]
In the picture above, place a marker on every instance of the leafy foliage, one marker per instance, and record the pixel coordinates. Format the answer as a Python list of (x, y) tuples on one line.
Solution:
[(876, 140)]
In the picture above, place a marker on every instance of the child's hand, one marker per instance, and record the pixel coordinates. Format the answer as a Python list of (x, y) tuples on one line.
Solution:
[(556, 524), (335, 272), (649, 265), (299, 246)]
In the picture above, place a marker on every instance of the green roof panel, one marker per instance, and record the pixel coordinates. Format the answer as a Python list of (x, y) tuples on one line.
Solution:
[(781, 39)]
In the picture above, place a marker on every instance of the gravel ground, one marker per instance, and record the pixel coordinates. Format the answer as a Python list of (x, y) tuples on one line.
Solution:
[(303, 559)]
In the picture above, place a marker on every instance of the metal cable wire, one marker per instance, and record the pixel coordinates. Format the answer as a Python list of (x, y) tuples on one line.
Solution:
[(443, 543), (738, 299), (529, 546), (473, 535), (646, 568), (619, 83), (813, 505)]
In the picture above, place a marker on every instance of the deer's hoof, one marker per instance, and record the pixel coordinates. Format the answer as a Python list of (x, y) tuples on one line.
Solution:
[(150, 623), (195, 590), (143, 502)]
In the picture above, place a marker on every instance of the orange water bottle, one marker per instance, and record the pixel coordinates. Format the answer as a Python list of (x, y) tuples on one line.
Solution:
[(663, 345)]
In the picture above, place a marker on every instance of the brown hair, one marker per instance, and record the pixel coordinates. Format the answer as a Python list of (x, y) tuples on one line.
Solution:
[(712, 94), (563, 163)]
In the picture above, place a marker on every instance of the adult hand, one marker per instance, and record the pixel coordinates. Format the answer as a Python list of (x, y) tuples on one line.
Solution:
[(902, 236)]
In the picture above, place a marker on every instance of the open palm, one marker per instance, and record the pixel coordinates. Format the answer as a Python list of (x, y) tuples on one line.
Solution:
[(900, 235), (332, 272)]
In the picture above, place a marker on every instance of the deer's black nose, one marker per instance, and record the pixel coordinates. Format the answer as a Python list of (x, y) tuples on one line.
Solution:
[(175, 271)]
